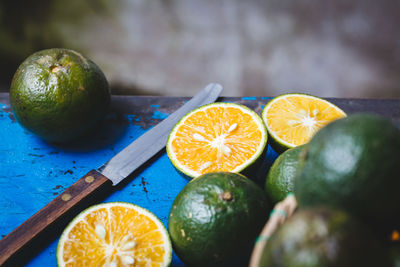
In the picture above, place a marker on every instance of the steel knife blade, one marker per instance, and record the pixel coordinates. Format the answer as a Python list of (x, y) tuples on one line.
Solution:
[(95, 181), (152, 141)]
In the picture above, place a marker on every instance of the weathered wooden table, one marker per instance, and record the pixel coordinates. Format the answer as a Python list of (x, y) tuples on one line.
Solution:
[(33, 172)]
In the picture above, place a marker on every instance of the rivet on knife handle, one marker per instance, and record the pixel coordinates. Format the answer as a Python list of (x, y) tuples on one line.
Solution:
[(112, 172), (90, 183)]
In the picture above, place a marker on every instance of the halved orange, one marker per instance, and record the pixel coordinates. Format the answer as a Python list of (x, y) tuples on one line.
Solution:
[(115, 234), (217, 137), (292, 119)]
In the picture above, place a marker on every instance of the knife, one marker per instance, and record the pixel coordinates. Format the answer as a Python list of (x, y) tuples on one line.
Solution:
[(110, 174)]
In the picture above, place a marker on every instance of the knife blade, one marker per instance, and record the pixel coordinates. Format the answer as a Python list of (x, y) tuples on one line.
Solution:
[(111, 173), (138, 152)]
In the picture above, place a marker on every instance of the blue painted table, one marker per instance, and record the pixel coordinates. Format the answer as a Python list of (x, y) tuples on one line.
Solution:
[(33, 172)]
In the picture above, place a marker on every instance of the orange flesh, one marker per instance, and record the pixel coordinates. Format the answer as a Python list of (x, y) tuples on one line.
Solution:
[(395, 236), (225, 146), (86, 247), (295, 119)]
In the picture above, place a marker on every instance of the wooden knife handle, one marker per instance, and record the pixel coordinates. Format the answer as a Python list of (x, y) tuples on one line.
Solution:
[(92, 182)]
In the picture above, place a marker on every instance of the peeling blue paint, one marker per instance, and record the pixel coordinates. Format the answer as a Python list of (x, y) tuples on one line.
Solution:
[(249, 98), (155, 106), (133, 118), (33, 172), (158, 115)]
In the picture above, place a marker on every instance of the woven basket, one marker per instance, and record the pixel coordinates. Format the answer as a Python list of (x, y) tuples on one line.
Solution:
[(281, 212)]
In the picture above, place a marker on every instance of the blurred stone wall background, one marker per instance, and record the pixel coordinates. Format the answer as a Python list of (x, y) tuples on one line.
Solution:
[(335, 48)]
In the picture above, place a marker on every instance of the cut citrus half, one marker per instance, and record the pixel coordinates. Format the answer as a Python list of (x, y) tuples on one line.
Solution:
[(217, 137), (114, 234), (292, 119)]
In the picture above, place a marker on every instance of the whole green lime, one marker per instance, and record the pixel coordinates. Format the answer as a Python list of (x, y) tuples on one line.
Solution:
[(323, 237), (58, 94), (216, 218), (353, 164), (280, 178)]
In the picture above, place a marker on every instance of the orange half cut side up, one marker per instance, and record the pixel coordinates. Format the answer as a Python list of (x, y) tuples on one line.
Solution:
[(293, 119), (216, 137), (114, 234)]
